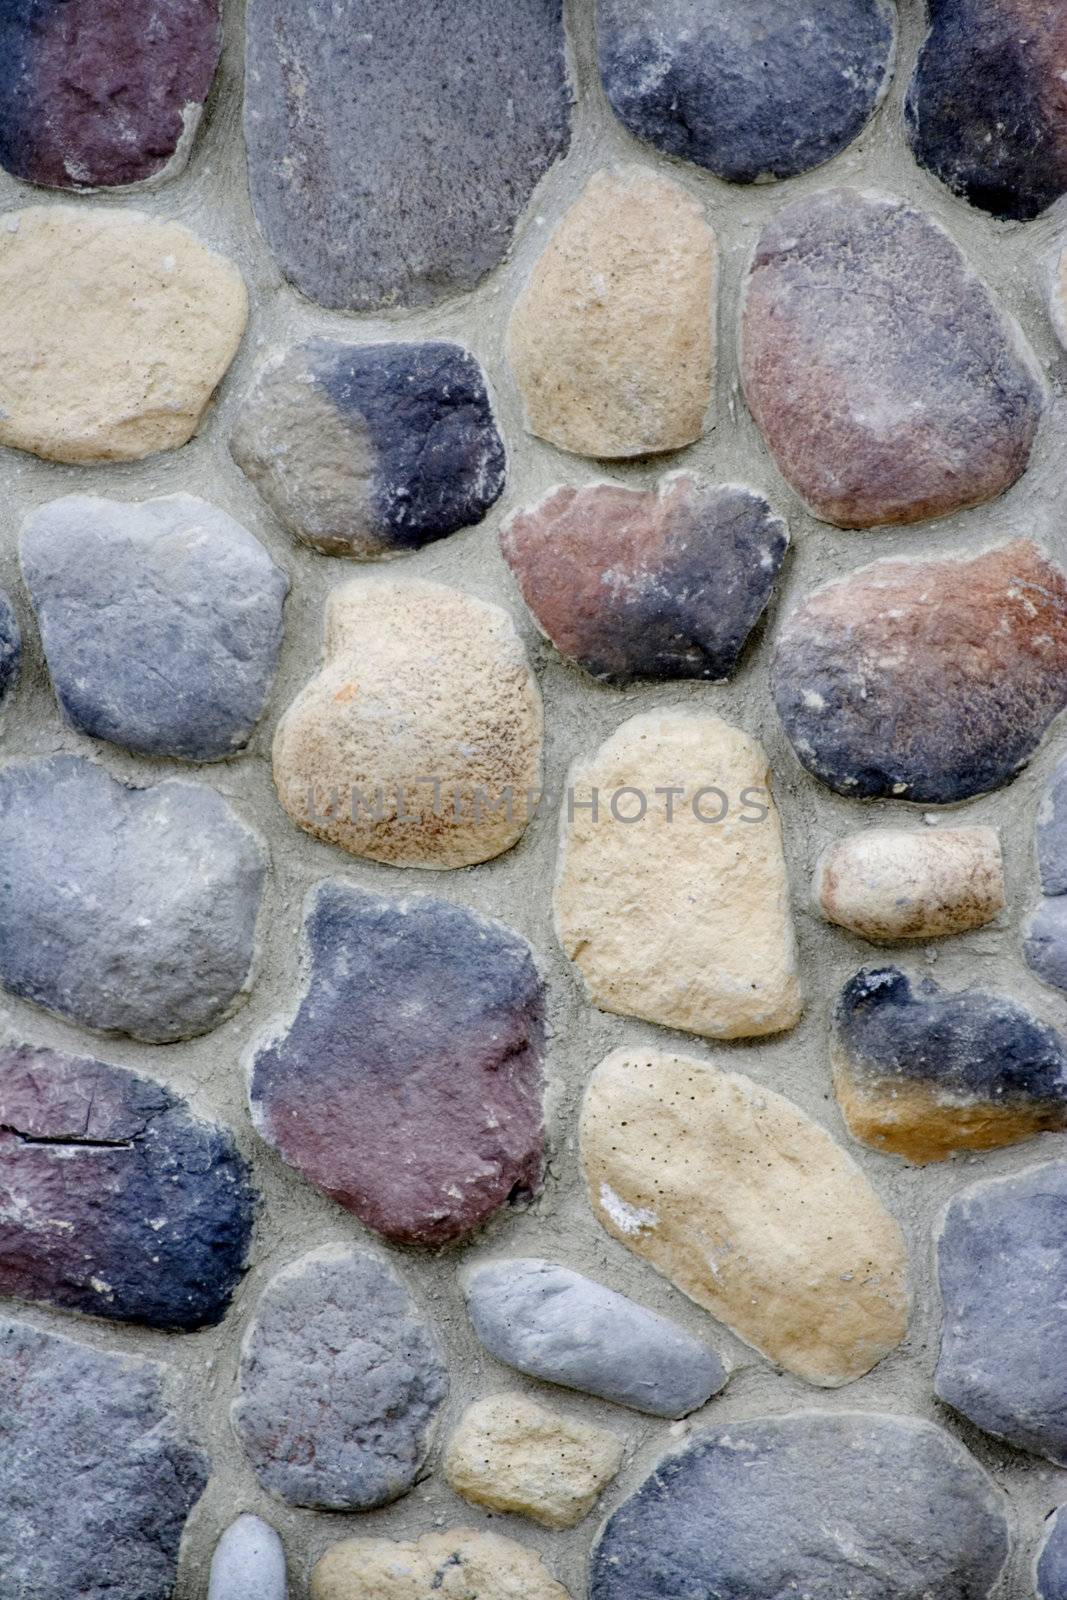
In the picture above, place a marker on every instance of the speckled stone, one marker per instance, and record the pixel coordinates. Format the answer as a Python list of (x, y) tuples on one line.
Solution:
[(911, 883), (751, 89), (630, 583), (922, 1073), (340, 1384), (127, 910), (887, 381), (10, 647), (929, 681), (460, 1564), (249, 1563), (861, 1504), (557, 1325), (102, 93), (97, 1473), (1003, 1275), (371, 450), (391, 150), (161, 622), (408, 1086), (1051, 1569)]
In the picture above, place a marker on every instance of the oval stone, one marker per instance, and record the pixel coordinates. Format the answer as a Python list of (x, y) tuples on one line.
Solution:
[(249, 1561), (459, 1564), (911, 883)]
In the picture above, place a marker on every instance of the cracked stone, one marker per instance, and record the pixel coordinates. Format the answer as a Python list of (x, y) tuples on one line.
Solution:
[(249, 1563), (461, 1564), (911, 883)]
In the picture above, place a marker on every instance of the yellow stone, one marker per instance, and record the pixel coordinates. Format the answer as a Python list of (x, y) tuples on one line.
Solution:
[(458, 1565)]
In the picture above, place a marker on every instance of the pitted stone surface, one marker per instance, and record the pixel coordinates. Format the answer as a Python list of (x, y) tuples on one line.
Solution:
[(391, 150), (419, 742), (911, 883), (101, 93), (885, 378), (371, 450), (1051, 1573), (861, 1504), (408, 1086), (636, 584), (97, 1474), (612, 340), (461, 1564), (115, 328), (561, 1327), (10, 647), (929, 681), (749, 1207), (128, 910), (249, 1563), (161, 622), (751, 89), (341, 1381)]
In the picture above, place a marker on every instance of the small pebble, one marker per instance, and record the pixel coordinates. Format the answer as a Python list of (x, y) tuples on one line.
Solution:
[(249, 1563)]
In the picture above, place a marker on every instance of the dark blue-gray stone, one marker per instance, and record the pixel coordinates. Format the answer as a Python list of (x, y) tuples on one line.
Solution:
[(10, 646), (556, 1325), (161, 622), (1002, 1266), (814, 1505), (751, 89), (1052, 1560)]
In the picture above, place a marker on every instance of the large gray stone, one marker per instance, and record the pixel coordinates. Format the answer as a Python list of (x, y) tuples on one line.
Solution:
[(1045, 932)]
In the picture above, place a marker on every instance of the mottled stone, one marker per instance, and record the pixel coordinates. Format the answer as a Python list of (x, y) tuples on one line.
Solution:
[(1051, 1570), (102, 93), (929, 681), (419, 742), (115, 328), (340, 1384), (461, 1564), (408, 1085), (887, 381), (249, 1563), (630, 583), (911, 883), (10, 647), (97, 1473), (391, 150), (371, 450), (749, 1207), (822, 1506), (750, 89), (669, 842), (612, 339), (161, 622), (128, 910), (556, 1325)]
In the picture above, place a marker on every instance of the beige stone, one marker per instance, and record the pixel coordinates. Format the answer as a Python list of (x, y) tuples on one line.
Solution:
[(749, 1207), (511, 1454), (458, 1565), (910, 883), (115, 329), (612, 340), (419, 742), (679, 918)]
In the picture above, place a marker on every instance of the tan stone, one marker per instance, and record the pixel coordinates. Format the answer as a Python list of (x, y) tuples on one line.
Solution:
[(910, 883), (458, 1565), (115, 330), (511, 1454), (749, 1207), (679, 920), (419, 741), (612, 341)]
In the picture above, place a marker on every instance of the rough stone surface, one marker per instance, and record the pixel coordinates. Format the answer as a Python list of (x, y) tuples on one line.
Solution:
[(1051, 1572), (449, 113), (910, 883), (461, 1564), (97, 1474), (861, 1504), (561, 1327), (249, 1563), (886, 380), (749, 1207), (1058, 298), (101, 93), (128, 910), (1003, 1274), (922, 1073), (161, 622), (371, 450), (10, 647), (340, 1384), (408, 1086), (512, 1455), (419, 742), (929, 681), (751, 89), (612, 340), (1045, 932), (636, 584), (115, 329), (648, 906)]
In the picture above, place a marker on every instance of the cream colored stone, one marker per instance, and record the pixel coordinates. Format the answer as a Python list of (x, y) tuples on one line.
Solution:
[(458, 1565), (748, 1206), (511, 1454), (419, 742), (612, 341), (679, 920), (115, 331), (907, 883)]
